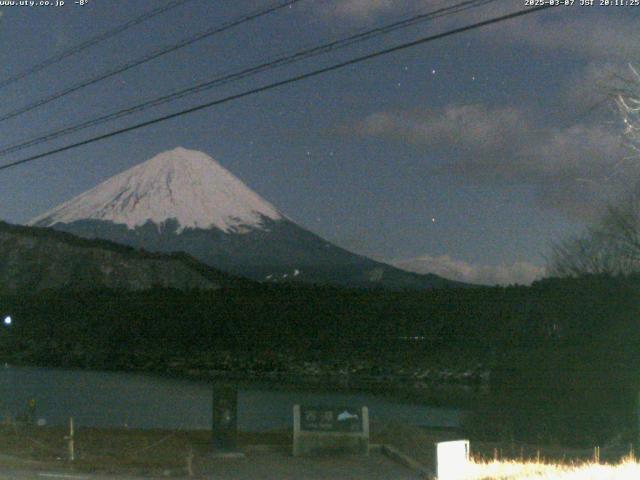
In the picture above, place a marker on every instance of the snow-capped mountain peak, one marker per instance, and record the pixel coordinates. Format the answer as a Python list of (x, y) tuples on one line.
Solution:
[(185, 185)]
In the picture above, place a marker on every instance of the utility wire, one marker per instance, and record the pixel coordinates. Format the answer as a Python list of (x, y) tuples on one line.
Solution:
[(91, 42), (152, 56), (247, 72), (280, 83)]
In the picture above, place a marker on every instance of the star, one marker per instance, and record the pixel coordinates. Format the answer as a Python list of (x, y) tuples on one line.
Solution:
[(433, 72)]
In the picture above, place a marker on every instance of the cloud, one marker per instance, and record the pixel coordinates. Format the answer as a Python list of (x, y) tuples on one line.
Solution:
[(596, 34), (575, 170), (358, 9), (470, 126), (474, 134), (589, 89), (599, 35), (522, 273)]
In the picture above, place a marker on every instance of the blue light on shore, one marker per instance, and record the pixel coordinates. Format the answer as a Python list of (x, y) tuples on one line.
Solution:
[(7, 320)]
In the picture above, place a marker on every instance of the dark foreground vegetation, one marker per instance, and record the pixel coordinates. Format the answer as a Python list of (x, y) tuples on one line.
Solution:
[(183, 453), (563, 355)]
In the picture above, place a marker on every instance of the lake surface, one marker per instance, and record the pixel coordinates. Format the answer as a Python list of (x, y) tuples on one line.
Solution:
[(111, 399)]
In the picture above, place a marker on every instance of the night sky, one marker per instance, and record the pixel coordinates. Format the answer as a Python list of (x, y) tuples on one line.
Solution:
[(466, 156)]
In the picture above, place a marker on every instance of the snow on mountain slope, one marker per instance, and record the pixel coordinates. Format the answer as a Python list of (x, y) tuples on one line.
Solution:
[(184, 201), (185, 185)]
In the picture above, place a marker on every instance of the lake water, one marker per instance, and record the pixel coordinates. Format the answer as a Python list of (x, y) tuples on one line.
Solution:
[(109, 399)]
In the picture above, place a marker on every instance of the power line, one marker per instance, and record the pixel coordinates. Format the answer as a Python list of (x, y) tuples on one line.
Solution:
[(224, 79), (91, 42), (152, 56), (280, 83)]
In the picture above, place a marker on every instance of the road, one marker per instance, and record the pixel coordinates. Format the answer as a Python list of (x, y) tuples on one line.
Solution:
[(256, 466), (12, 474)]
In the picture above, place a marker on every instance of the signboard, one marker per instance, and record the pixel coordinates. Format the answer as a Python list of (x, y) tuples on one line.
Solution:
[(331, 419), (330, 429), (452, 460)]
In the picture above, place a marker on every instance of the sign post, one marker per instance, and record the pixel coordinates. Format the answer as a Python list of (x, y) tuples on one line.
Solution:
[(334, 429), (225, 418)]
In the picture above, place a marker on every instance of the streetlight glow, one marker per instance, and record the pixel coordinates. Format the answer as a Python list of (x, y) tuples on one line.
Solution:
[(7, 320)]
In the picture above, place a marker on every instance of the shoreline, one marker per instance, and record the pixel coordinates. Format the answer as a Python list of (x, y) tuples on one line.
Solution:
[(408, 388)]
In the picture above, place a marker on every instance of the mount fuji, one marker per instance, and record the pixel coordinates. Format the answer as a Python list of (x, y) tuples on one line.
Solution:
[(183, 200)]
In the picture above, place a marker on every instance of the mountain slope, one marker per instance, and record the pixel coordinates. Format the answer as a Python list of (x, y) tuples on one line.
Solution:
[(36, 259), (180, 184), (183, 200)]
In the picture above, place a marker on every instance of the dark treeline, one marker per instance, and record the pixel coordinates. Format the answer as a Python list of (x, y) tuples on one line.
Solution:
[(560, 347), (551, 313)]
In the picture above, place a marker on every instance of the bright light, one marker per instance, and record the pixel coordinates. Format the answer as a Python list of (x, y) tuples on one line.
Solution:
[(7, 320), (453, 459)]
